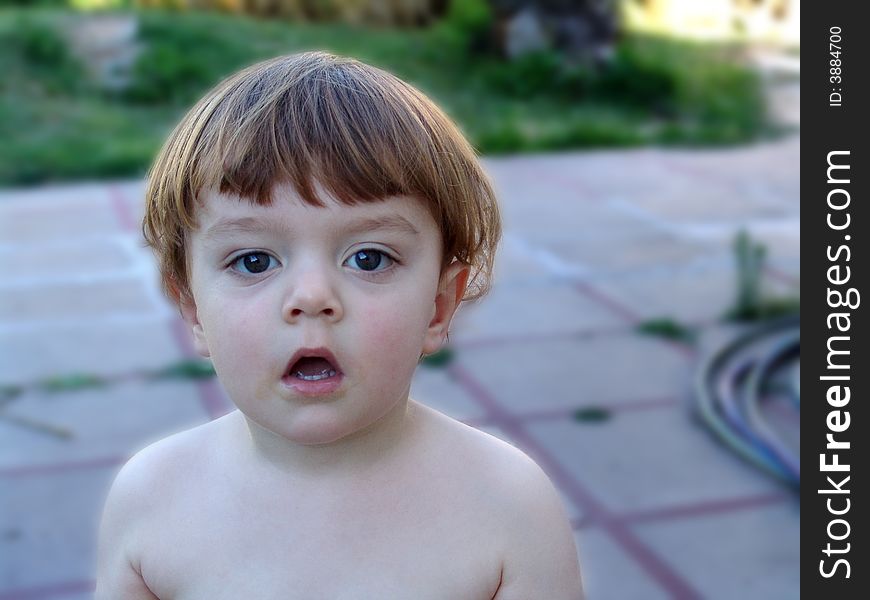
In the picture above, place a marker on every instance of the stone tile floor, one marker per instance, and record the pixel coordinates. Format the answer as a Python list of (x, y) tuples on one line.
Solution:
[(595, 243)]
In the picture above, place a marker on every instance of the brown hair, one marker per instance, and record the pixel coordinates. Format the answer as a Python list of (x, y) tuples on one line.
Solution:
[(315, 119)]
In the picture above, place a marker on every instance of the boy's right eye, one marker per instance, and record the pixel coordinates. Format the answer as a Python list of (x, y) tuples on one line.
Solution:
[(253, 263)]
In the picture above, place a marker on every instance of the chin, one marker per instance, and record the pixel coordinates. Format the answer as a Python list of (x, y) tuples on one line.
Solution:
[(317, 431)]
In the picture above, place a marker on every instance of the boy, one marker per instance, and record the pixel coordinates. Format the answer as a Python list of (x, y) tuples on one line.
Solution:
[(318, 222)]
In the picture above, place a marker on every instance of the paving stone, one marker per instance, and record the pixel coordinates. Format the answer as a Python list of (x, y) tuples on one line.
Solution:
[(781, 238), (774, 163), (100, 348), (650, 459), (515, 263), (686, 295), (748, 554), (113, 422), (69, 259), (131, 195), (639, 251), (582, 174), (690, 294), (50, 527), (599, 370), (532, 309), (542, 208), (28, 217), (123, 296), (637, 225), (687, 200), (435, 388), (608, 572)]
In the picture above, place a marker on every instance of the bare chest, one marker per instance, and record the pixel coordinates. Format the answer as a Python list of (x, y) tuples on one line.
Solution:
[(392, 546)]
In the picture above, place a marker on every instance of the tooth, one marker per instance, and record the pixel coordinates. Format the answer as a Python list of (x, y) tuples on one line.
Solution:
[(323, 375)]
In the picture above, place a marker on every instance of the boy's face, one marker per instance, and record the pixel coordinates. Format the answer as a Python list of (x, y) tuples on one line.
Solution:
[(356, 293)]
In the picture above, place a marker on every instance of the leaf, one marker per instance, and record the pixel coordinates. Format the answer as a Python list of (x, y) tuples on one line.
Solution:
[(72, 381), (439, 359), (186, 369), (592, 414)]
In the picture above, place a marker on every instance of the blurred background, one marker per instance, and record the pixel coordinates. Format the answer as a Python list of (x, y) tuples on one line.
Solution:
[(646, 156)]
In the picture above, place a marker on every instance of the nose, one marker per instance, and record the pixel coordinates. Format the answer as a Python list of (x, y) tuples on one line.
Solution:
[(311, 294)]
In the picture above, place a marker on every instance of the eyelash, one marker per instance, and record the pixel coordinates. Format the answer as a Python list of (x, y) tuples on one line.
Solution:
[(236, 260), (371, 274)]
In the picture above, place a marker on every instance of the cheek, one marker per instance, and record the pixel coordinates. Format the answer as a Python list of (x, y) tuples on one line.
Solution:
[(398, 332), (235, 329)]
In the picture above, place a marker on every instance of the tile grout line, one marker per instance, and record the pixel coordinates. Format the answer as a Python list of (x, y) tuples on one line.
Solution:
[(581, 334), (782, 276), (210, 397), (688, 511), (49, 591), (563, 413), (110, 461), (712, 507), (50, 468), (646, 557), (628, 315)]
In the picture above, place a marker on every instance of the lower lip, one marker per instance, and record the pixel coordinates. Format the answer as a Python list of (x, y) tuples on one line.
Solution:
[(321, 387)]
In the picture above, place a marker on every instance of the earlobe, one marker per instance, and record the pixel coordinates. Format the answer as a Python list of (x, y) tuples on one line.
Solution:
[(451, 290), (187, 306)]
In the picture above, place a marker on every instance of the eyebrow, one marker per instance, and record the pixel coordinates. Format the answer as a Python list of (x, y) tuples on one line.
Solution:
[(389, 222), (253, 225), (240, 225)]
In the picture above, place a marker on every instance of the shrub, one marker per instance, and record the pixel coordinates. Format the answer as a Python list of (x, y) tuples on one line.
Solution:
[(36, 57), (177, 64)]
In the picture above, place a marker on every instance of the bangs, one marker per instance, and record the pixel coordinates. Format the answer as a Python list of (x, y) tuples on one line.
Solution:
[(353, 130), (319, 123)]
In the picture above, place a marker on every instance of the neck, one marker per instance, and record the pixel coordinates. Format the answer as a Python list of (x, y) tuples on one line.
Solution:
[(355, 456)]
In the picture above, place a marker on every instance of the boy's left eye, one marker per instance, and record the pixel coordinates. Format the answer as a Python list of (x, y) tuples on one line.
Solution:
[(369, 259)]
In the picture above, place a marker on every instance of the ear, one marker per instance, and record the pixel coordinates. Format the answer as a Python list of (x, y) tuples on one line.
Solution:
[(187, 305), (451, 289)]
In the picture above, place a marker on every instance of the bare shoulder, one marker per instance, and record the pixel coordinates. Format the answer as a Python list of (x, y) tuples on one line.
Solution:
[(539, 555), (140, 493), (500, 465), (163, 463)]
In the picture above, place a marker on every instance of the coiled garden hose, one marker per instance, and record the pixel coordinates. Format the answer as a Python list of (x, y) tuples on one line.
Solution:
[(729, 392)]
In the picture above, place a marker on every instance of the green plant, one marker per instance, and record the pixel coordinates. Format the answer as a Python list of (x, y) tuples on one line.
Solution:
[(750, 303), (186, 369), (35, 57), (55, 125), (439, 359), (467, 25), (667, 328), (592, 414), (71, 382), (177, 64), (750, 261)]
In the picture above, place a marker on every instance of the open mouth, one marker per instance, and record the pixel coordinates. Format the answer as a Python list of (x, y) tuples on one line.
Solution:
[(315, 364), (312, 369)]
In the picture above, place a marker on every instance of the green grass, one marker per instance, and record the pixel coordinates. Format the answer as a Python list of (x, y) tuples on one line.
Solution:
[(55, 125), (669, 329)]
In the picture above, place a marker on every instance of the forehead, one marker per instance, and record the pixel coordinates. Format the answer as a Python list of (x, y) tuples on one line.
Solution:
[(223, 214)]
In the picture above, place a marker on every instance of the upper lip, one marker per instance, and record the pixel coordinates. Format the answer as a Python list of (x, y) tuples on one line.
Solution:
[(313, 352)]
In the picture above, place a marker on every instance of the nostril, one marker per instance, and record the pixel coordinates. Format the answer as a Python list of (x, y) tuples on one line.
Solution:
[(328, 312)]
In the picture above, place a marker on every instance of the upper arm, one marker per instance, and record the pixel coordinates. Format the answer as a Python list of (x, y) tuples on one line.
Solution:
[(540, 559), (117, 575)]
